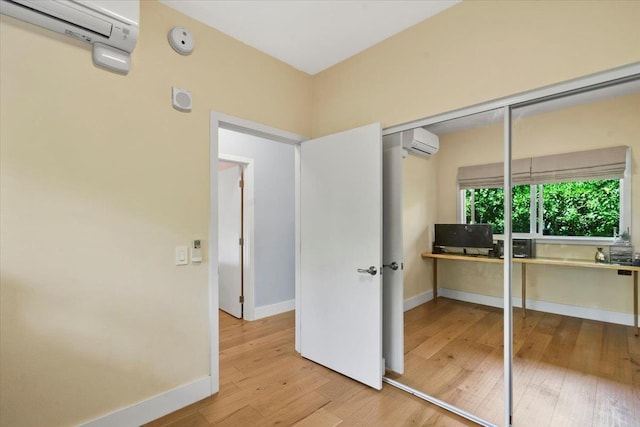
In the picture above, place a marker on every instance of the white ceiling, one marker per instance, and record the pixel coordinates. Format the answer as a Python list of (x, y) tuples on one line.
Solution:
[(310, 35)]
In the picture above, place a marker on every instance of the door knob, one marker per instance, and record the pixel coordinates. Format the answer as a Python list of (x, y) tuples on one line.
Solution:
[(371, 270), (394, 265)]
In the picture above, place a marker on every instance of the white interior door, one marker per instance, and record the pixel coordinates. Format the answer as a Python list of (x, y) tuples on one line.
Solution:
[(392, 279), (340, 233), (229, 248)]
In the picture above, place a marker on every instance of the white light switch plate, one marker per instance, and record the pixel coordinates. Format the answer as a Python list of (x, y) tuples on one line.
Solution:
[(182, 257)]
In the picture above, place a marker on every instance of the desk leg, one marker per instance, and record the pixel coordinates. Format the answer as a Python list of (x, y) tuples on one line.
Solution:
[(635, 301), (435, 279), (524, 290)]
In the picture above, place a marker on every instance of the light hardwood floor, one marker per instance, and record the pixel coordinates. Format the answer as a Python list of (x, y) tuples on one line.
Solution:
[(568, 372), (264, 382)]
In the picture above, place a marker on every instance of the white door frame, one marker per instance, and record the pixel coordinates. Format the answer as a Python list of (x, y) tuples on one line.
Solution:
[(248, 225), (223, 121)]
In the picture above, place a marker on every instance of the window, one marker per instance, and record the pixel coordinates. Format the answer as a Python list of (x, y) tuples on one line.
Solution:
[(486, 206), (586, 208), (565, 209), (574, 196)]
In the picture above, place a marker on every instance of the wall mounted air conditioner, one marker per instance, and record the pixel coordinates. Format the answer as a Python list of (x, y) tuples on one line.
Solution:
[(420, 141), (111, 26)]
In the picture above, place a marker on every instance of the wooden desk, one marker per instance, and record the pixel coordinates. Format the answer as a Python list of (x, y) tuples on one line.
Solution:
[(540, 261)]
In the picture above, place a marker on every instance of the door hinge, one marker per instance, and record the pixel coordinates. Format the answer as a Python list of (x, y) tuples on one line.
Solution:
[(241, 299), (241, 183), (241, 241)]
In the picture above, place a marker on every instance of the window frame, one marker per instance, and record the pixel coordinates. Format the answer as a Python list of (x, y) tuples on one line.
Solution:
[(537, 200)]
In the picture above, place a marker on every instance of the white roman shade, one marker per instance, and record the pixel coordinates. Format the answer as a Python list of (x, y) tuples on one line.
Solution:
[(492, 175), (604, 163)]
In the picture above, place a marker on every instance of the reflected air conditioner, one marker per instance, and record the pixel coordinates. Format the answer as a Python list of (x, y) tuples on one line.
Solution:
[(420, 141)]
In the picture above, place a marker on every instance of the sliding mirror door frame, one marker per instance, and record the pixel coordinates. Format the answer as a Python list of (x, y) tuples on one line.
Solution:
[(583, 84)]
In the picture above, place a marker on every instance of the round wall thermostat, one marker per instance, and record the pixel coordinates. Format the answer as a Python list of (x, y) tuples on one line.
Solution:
[(181, 40)]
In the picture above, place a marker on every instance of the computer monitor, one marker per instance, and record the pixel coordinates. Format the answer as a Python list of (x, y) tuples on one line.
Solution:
[(464, 235)]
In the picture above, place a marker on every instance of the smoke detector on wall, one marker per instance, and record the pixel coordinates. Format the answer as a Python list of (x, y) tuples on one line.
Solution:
[(181, 40)]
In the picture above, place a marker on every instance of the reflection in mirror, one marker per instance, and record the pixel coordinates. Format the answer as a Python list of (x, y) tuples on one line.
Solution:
[(576, 353), (454, 343), (575, 343)]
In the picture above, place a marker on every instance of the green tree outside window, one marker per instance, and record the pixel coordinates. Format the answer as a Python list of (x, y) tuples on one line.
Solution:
[(586, 208)]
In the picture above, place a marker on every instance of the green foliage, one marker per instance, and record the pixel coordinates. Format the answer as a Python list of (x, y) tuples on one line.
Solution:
[(489, 204), (588, 208)]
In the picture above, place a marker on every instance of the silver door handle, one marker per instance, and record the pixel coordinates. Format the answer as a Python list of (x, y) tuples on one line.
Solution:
[(371, 270), (394, 266)]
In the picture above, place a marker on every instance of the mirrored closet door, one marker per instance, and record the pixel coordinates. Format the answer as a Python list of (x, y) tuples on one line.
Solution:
[(540, 327), (576, 352)]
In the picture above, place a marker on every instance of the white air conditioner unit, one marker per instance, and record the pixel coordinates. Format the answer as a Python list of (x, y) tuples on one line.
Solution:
[(420, 142), (111, 26)]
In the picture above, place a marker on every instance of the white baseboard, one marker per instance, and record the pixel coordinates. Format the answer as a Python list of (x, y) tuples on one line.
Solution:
[(417, 300), (544, 306), (273, 309), (156, 406), (477, 298)]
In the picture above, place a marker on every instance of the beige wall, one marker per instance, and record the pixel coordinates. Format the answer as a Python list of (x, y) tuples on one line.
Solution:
[(600, 124), (101, 179), (471, 53), (417, 237)]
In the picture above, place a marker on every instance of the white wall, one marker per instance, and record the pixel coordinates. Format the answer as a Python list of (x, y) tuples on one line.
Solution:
[(274, 214)]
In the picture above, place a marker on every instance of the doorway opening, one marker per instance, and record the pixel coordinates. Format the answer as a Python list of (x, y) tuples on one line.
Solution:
[(258, 301), (232, 235)]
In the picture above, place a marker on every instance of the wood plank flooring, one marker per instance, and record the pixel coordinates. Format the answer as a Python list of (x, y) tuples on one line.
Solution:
[(264, 382), (567, 372)]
